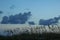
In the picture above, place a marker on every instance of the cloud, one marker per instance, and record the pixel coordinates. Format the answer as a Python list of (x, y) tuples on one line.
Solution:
[(1, 12), (31, 23), (12, 6), (49, 21), (16, 19), (5, 20)]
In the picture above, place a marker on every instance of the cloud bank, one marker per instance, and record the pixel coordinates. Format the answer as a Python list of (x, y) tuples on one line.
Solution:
[(49, 21), (16, 19)]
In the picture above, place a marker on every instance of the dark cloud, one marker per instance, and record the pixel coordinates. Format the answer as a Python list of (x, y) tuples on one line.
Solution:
[(1, 12), (31, 23), (5, 20), (49, 21), (16, 19)]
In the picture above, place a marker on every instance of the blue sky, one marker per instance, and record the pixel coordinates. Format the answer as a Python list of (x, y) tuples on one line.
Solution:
[(40, 9)]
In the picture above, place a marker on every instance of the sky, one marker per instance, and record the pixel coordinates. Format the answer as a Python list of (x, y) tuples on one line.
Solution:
[(40, 9)]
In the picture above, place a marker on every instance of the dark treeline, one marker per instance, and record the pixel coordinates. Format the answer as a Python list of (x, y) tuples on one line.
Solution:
[(44, 36)]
